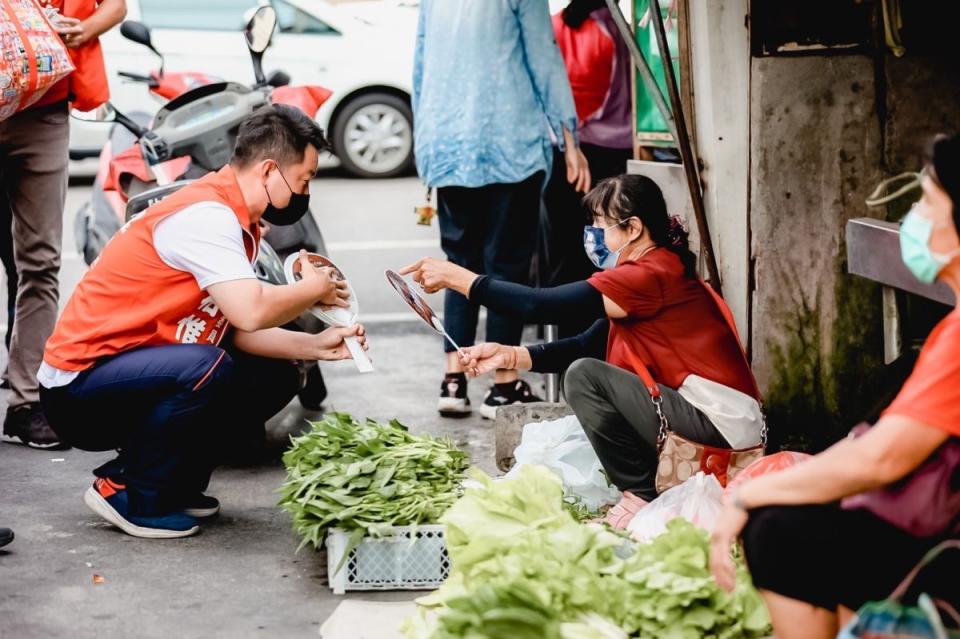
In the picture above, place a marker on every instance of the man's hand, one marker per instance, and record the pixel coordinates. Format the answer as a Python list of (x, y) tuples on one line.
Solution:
[(485, 358), (435, 275), (280, 343), (328, 345), (330, 290), (578, 169)]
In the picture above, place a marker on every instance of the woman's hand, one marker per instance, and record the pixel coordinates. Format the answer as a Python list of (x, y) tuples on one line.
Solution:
[(330, 290), (71, 30), (578, 169), (328, 345), (435, 275), (725, 533), (484, 358)]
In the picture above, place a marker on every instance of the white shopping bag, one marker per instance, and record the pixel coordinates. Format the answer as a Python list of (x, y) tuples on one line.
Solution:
[(699, 500), (563, 447)]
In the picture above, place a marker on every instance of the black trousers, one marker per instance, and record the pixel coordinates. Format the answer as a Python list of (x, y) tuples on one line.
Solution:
[(827, 557), (620, 421), (490, 230), (169, 412), (563, 259)]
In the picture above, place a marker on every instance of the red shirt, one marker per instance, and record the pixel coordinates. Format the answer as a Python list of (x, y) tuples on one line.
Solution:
[(931, 395), (673, 324), (61, 90)]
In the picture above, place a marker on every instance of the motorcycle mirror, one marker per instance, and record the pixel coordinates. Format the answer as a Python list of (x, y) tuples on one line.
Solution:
[(259, 29), (103, 113), (140, 33), (278, 79), (258, 33)]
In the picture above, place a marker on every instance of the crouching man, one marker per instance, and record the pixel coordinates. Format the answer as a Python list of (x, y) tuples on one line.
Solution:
[(169, 337)]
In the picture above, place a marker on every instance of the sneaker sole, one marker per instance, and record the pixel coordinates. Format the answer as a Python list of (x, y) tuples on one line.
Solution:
[(14, 439), (452, 407), (489, 412), (201, 513), (99, 505)]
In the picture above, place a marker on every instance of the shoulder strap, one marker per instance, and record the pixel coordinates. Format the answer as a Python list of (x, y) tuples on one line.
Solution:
[(927, 559), (728, 316)]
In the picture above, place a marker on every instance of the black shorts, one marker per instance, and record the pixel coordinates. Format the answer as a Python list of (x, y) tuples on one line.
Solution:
[(827, 556)]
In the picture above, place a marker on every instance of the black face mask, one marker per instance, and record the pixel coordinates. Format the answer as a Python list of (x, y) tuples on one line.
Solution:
[(292, 212)]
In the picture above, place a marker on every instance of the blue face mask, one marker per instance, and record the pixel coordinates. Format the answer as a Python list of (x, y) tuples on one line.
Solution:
[(596, 247), (915, 250)]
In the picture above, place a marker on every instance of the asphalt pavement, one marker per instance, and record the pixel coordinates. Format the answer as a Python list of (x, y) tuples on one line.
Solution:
[(69, 574)]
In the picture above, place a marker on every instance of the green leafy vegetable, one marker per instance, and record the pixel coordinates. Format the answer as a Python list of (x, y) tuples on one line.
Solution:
[(524, 567), (366, 477)]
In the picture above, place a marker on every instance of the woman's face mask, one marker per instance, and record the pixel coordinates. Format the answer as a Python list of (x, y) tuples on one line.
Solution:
[(928, 238), (915, 234), (594, 243)]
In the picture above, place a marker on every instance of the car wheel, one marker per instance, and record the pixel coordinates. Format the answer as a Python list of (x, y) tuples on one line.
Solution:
[(373, 136)]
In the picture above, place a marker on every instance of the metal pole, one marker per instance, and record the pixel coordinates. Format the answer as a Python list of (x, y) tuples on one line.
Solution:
[(675, 121), (552, 379), (686, 150)]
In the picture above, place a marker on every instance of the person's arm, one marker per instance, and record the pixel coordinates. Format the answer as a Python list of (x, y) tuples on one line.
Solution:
[(548, 74), (893, 448), (418, 55), (886, 453), (556, 357), (251, 306), (575, 301), (546, 69), (280, 343), (109, 13), (545, 358)]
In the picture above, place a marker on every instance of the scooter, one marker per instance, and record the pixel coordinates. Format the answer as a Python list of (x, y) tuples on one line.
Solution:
[(123, 171), (191, 135)]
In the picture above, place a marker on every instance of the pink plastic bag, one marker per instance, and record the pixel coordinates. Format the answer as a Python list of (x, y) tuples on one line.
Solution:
[(769, 464)]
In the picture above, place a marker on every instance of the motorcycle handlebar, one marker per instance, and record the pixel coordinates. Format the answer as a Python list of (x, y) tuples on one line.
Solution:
[(136, 77)]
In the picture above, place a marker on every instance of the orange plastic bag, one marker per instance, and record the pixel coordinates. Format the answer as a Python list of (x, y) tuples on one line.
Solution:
[(33, 56), (769, 464)]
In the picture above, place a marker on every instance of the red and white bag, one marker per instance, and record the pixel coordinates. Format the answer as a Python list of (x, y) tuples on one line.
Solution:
[(33, 57)]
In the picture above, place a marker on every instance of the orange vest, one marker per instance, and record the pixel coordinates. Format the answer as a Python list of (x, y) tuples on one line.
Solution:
[(131, 298)]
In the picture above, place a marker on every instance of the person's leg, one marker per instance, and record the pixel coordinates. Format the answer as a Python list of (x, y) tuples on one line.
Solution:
[(459, 213), (619, 418), (181, 391), (512, 213), (568, 261), (36, 184), (273, 382), (9, 265)]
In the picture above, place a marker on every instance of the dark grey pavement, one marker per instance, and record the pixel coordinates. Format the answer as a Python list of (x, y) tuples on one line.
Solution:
[(240, 577)]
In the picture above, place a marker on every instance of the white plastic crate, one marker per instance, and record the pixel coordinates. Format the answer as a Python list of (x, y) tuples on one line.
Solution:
[(410, 558)]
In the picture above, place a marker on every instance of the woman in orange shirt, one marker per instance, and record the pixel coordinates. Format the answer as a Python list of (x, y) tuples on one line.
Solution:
[(814, 559)]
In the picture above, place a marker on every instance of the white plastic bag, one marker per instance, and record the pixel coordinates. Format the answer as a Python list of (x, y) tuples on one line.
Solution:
[(563, 447), (699, 500)]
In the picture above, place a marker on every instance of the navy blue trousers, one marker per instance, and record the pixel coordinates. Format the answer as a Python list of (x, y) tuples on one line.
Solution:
[(169, 411), (490, 230)]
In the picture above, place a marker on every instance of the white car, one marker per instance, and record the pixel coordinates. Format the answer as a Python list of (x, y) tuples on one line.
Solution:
[(362, 52)]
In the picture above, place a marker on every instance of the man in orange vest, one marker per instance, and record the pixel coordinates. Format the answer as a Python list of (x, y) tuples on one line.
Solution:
[(169, 340), (33, 188)]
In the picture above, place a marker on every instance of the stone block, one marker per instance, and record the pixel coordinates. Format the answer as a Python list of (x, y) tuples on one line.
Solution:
[(508, 426)]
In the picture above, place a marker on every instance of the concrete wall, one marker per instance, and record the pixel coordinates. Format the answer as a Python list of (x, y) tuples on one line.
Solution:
[(816, 152)]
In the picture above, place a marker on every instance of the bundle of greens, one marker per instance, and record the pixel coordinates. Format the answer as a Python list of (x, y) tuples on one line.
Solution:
[(367, 477), (523, 567)]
